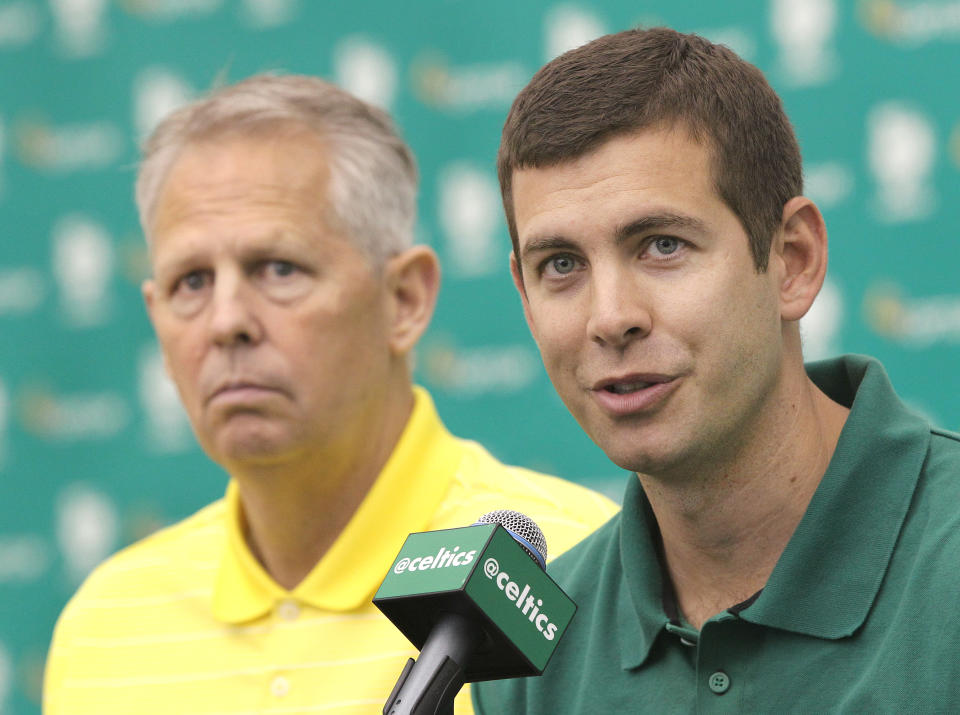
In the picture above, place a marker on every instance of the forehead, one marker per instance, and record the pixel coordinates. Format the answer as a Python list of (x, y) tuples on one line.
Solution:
[(236, 174), (660, 170)]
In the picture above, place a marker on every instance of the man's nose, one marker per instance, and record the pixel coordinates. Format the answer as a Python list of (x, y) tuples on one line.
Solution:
[(620, 309), (233, 314)]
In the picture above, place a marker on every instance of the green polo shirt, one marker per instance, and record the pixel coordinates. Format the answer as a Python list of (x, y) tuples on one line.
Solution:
[(861, 613)]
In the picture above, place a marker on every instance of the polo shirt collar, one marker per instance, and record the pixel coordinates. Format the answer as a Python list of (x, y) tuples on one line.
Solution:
[(829, 575), (642, 615), (827, 578), (404, 498)]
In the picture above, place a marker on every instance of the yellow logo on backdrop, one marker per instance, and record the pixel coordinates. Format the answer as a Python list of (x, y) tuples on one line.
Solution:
[(918, 321), (879, 17), (915, 23), (480, 370), (468, 88), (79, 416), (41, 145)]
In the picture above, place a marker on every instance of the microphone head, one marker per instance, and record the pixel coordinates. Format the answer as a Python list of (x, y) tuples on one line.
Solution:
[(523, 529)]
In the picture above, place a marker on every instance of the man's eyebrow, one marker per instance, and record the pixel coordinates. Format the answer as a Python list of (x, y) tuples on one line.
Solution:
[(172, 264), (547, 243), (652, 222), (655, 222)]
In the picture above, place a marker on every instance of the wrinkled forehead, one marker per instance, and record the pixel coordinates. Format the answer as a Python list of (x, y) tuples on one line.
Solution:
[(235, 188), (239, 167), (160, 162)]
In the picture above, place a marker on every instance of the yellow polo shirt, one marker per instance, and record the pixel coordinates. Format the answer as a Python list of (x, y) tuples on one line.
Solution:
[(187, 620)]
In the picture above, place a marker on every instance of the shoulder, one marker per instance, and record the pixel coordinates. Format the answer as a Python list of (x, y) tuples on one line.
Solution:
[(944, 452), (594, 555), (184, 553), (564, 510), (162, 574), (928, 548), (938, 491), (939, 483)]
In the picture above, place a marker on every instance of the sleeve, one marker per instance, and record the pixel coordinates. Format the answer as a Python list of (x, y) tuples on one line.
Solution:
[(499, 697), (463, 705), (54, 670)]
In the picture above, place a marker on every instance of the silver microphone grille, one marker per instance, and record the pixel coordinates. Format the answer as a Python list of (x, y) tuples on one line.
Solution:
[(521, 525)]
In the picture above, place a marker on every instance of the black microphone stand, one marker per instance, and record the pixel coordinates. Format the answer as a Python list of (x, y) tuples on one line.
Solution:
[(428, 685)]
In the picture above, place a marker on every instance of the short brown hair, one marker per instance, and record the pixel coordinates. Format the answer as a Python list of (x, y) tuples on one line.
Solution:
[(641, 79)]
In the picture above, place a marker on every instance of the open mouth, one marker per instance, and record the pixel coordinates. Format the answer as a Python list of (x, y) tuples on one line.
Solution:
[(634, 394), (625, 388)]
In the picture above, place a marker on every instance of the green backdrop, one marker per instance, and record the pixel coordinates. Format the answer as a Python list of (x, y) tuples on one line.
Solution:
[(94, 449)]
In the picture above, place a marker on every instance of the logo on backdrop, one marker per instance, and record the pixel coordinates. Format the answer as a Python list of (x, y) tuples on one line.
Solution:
[(86, 145), (4, 422), (87, 527), (3, 147), (820, 327), (469, 215), (23, 558), (20, 24), (157, 91), (21, 290), (263, 14), (170, 10), (913, 24), (918, 322), (80, 29), (955, 145), (6, 676), (566, 27), (167, 427), (829, 183), (469, 88), (69, 418), (366, 69), (481, 370), (804, 34), (83, 263), (735, 37), (901, 149)]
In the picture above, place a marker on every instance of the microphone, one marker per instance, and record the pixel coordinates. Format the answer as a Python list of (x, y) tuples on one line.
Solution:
[(477, 603)]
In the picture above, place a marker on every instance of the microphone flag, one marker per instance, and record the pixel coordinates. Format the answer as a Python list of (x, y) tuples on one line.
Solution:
[(483, 575)]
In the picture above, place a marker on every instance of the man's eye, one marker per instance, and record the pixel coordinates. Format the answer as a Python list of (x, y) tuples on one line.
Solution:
[(562, 264), (193, 281), (281, 269), (665, 245)]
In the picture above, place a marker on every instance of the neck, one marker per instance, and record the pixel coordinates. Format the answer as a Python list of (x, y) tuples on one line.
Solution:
[(724, 529), (295, 509)]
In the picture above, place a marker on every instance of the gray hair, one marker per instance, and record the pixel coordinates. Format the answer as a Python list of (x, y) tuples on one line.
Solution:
[(373, 174)]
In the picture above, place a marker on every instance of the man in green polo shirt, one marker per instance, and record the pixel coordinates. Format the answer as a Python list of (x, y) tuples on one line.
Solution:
[(792, 539)]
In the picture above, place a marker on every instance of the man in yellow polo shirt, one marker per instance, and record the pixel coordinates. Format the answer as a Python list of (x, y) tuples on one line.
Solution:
[(287, 296)]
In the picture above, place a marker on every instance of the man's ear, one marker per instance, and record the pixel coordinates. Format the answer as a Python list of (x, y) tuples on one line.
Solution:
[(517, 274), (148, 289), (802, 249), (413, 282)]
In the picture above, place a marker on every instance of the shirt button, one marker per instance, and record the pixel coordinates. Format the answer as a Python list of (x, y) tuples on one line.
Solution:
[(280, 686), (288, 610), (719, 682)]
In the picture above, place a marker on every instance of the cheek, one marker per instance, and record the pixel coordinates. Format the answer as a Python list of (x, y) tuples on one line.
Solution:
[(743, 325), (183, 356), (558, 334), (344, 338)]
